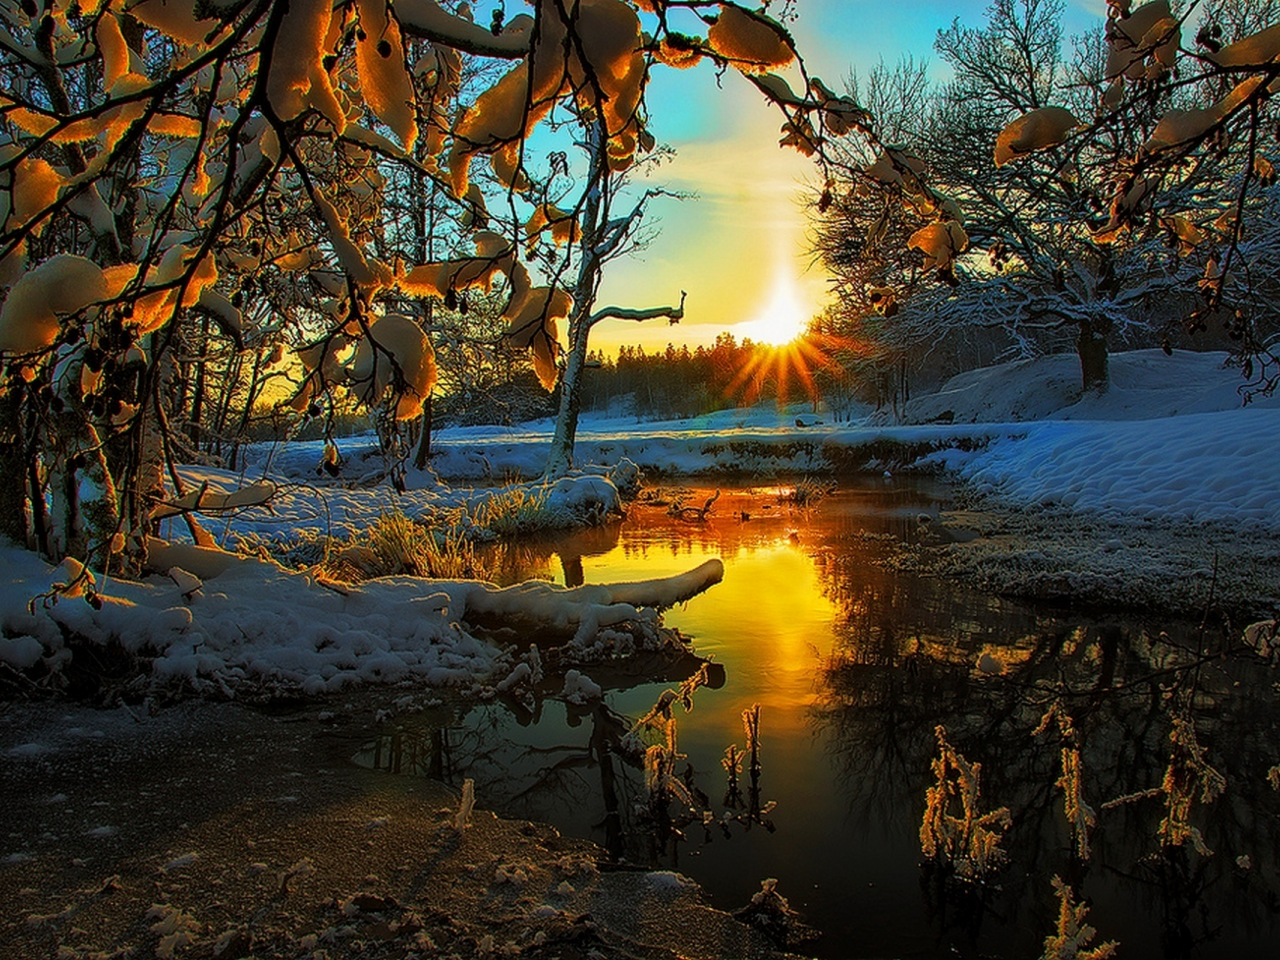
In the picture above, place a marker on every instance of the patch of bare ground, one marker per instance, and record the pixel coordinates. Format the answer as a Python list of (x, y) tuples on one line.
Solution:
[(216, 830), (1170, 567)]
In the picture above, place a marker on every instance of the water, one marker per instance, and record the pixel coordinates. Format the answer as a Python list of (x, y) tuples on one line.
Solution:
[(854, 666)]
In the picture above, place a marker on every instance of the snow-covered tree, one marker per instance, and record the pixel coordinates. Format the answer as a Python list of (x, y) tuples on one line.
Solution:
[(1071, 222), (230, 164)]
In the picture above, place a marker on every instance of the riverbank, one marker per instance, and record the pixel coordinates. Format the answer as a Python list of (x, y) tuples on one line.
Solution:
[(222, 830), (1169, 567)]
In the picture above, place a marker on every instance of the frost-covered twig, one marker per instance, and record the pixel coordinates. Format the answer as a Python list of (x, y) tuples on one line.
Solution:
[(466, 803), (1080, 816), (1073, 936), (966, 839)]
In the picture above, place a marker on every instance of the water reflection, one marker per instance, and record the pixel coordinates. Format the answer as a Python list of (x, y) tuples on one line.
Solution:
[(628, 772), (854, 665), (901, 666)]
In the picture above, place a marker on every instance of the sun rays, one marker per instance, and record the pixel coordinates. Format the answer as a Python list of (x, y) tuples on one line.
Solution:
[(790, 354)]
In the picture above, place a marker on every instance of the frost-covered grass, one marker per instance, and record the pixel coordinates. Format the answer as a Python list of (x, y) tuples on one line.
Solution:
[(1055, 554), (809, 491), (517, 511), (397, 546)]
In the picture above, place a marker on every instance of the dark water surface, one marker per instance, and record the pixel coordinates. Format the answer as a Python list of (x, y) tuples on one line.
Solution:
[(854, 666)]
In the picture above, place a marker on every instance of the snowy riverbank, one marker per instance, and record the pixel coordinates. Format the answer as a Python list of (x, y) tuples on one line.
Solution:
[(1160, 493), (1168, 440), (1136, 496)]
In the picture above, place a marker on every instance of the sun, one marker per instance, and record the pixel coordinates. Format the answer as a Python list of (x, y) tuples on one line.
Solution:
[(782, 318)]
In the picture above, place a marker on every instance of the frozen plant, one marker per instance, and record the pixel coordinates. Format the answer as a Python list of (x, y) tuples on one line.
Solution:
[(399, 545), (516, 511), (810, 490), (466, 803), (1080, 816), (1073, 936), (771, 914), (732, 763), (955, 832), (1188, 772), (660, 779)]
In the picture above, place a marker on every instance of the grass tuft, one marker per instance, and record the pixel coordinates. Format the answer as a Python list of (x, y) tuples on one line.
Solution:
[(516, 512)]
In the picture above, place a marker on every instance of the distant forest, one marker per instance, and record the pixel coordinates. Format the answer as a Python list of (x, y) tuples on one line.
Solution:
[(681, 382)]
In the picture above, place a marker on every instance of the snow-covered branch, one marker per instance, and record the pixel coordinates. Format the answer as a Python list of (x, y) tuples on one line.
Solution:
[(673, 314)]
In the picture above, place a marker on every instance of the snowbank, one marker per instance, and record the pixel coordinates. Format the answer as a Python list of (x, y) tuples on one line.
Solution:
[(1145, 385), (1204, 467), (254, 623), (342, 509), (1169, 438)]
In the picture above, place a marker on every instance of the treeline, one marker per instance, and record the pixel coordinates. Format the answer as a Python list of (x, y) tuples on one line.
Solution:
[(680, 382)]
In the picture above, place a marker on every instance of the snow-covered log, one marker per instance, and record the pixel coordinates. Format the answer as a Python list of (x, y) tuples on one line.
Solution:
[(580, 612), (213, 620)]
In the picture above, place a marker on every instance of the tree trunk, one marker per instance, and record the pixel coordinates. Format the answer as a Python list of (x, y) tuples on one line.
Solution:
[(13, 474), (1091, 346), (255, 388), (592, 219), (82, 491), (196, 413), (423, 456), (561, 457)]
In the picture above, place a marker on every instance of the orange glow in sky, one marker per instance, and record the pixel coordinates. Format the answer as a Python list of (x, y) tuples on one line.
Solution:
[(745, 223)]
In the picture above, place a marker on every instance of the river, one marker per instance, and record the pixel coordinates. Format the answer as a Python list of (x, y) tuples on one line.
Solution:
[(854, 666)]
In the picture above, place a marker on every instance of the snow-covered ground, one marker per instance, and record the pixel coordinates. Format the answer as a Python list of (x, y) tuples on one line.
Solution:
[(1170, 439), (1167, 444)]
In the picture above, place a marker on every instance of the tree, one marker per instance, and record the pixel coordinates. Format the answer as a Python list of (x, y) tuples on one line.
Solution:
[(601, 238), (1076, 220), (174, 162), (172, 165)]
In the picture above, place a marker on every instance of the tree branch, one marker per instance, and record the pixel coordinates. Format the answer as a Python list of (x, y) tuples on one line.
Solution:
[(674, 314)]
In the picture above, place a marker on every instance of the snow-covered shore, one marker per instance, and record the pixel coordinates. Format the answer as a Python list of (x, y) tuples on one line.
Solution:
[(1134, 496), (1170, 439)]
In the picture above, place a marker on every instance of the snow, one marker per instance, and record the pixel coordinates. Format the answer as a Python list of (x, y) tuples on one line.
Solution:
[(668, 881), (61, 286), (579, 688), (1199, 468), (383, 79), (750, 40), (1169, 438), (1169, 441), (254, 623)]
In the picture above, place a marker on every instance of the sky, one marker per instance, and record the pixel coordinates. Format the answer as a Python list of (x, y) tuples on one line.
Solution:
[(740, 249)]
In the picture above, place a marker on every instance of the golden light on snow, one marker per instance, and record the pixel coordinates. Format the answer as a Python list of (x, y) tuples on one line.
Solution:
[(782, 317)]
